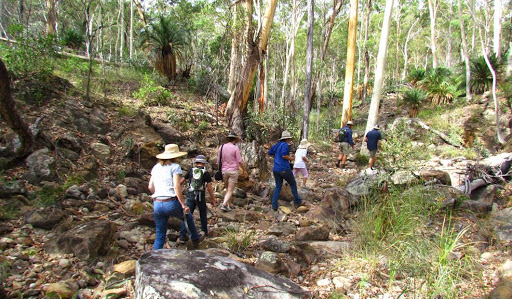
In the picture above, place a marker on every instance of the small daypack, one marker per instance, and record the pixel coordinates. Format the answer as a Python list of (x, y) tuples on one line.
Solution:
[(196, 183), (341, 135)]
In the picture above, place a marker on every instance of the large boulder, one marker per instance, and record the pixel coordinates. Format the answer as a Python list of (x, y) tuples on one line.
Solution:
[(46, 218), (12, 188), (171, 274), (41, 166), (502, 224), (86, 241), (437, 176)]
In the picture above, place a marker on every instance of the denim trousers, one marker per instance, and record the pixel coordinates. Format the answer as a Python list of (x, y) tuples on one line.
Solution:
[(287, 175), (196, 199), (162, 211)]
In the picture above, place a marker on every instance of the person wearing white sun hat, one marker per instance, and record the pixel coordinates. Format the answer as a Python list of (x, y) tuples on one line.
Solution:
[(299, 165), (165, 184)]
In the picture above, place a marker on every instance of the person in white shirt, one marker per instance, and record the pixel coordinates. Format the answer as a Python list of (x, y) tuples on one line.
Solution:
[(300, 161)]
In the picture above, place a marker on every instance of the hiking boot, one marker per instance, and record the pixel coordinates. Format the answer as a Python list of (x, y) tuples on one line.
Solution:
[(183, 239), (225, 208), (202, 236), (195, 244), (338, 163), (297, 205)]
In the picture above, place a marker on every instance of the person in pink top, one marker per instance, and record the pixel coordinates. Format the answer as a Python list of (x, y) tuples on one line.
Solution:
[(231, 161)]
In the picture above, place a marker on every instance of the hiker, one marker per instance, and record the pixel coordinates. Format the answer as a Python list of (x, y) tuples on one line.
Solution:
[(165, 184), (231, 160), (199, 180), (299, 165), (281, 170), (373, 141), (344, 139)]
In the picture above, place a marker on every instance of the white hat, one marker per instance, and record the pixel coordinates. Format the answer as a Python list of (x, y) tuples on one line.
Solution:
[(304, 143), (286, 135), (201, 159), (376, 127), (350, 123), (233, 135), (171, 151)]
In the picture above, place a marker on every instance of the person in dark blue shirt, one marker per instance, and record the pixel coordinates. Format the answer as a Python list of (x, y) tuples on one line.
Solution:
[(373, 140), (282, 170), (344, 145)]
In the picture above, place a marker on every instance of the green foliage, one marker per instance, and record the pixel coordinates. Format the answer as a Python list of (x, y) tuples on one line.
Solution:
[(238, 241), (203, 126), (481, 76), (74, 65), (413, 98), (398, 150), (152, 94), (47, 195), (29, 53), (361, 160), (126, 110), (441, 88), (72, 38), (416, 75)]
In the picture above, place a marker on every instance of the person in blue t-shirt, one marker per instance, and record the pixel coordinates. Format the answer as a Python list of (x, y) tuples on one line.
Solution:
[(344, 145), (281, 170), (373, 141)]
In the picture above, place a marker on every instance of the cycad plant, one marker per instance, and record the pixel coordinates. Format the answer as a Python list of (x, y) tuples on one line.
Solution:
[(438, 85), (481, 77), (413, 98), (416, 75), (166, 41)]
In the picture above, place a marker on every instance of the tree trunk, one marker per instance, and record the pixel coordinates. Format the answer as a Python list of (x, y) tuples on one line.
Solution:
[(140, 11), (396, 73), (498, 11), (51, 19), (10, 115), (336, 7), (432, 9), (235, 49), (350, 67), (379, 70), (449, 45), (406, 45), (465, 52), (121, 44), (366, 54), (309, 69), (237, 104), (131, 29)]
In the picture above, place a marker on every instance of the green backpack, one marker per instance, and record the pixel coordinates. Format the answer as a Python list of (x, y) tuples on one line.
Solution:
[(196, 183), (341, 135)]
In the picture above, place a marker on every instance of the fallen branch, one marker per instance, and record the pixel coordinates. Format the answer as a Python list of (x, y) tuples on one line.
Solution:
[(428, 128)]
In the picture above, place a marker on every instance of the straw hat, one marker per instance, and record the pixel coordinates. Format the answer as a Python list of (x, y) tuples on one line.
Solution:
[(201, 159), (171, 151), (304, 143), (350, 123), (376, 127), (286, 135)]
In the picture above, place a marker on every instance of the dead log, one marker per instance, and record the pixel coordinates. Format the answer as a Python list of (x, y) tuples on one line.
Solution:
[(443, 136)]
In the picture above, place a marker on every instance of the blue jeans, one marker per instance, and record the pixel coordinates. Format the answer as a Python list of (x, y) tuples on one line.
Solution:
[(193, 201), (162, 211), (288, 176)]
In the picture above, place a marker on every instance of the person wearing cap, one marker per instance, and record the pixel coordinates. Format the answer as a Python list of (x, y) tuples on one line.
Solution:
[(373, 141), (344, 145), (165, 186), (299, 165), (281, 153), (231, 163), (199, 180)]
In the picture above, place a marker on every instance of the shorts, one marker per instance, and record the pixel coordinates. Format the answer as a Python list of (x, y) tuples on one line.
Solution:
[(230, 176), (304, 172), (373, 153), (345, 148)]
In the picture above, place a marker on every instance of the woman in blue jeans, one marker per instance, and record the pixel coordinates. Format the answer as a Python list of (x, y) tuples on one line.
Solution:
[(167, 196), (281, 170)]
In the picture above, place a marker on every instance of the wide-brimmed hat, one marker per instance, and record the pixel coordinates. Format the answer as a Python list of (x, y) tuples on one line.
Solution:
[(376, 127), (171, 151), (286, 135), (201, 159), (304, 143), (233, 135), (350, 123)]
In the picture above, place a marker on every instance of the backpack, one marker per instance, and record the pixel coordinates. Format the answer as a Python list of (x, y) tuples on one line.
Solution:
[(341, 135), (196, 182)]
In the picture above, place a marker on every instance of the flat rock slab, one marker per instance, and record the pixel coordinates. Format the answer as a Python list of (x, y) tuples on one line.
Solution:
[(169, 273)]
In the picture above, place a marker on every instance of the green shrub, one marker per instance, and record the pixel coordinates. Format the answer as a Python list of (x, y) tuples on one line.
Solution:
[(441, 88), (152, 94), (416, 75), (481, 76), (29, 53), (72, 38), (413, 98), (238, 241)]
